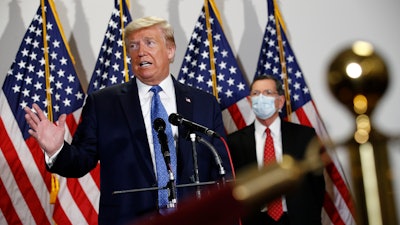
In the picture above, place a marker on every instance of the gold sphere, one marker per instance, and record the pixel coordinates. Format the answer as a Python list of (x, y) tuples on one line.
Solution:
[(358, 77)]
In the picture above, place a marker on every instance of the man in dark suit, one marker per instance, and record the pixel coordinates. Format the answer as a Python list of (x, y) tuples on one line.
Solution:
[(117, 130), (304, 205)]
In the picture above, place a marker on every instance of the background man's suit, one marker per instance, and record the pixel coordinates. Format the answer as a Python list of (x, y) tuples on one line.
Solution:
[(113, 131), (304, 205)]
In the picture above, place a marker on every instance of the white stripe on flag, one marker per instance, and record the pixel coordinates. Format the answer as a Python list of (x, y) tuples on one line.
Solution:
[(338, 201), (245, 108), (68, 203), (2, 218), (315, 120), (229, 123), (87, 182), (91, 190)]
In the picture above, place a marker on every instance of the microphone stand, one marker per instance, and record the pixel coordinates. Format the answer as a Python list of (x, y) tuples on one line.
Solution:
[(217, 158), (195, 165), (171, 186)]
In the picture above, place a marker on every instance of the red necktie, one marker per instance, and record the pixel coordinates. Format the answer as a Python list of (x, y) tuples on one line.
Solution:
[(275, 209)]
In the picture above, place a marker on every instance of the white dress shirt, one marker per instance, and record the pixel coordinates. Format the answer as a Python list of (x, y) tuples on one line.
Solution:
[(260, 136)]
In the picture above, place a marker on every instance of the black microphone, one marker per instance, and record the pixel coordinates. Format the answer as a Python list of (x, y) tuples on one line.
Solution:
[(159, 125), (176, 119)]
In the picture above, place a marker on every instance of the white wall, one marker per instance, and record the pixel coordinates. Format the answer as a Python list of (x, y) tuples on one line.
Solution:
[(318, 29)]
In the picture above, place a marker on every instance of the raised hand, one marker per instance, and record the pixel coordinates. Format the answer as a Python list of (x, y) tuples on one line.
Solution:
[(49, 135)]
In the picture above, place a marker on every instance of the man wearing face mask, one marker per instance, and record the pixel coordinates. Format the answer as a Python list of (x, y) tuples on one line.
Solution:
[(265, 141)]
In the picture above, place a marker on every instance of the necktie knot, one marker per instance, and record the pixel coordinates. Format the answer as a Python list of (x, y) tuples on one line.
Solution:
[(268, 131), (156, 89), (269, 151)]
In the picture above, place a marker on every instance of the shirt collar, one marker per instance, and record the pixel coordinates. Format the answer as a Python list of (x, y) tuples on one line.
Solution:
[(275, 127), (167, 86)]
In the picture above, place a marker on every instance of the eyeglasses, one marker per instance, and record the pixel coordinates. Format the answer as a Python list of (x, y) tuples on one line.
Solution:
[(265, 93)]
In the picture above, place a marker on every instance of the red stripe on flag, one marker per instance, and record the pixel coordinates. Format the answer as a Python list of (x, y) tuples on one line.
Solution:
[(95, 173), (341, 186), (331, 211), (303, 118), (237, 116), (37, 154), (59, 215), (6, 206), (74, 186), (71, 123), (23, 182), (82, 201), (337, 180)]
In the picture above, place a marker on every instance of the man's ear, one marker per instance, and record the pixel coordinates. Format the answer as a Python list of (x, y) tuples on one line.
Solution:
[(171, 52), (281, 101)]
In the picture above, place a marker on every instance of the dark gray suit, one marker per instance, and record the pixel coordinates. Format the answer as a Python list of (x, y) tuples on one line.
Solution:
[(305, 204), (113, 131)]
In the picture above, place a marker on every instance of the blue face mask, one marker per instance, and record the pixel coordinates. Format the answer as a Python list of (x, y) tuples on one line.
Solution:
[(263, 106)]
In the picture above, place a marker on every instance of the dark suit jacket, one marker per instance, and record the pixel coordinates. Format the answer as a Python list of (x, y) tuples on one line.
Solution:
[(305, 203), (113, 131)]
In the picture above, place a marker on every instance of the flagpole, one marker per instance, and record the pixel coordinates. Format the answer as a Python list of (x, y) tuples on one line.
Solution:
[(55, 185), (121, 18), (283, 61), (210, 46), (46, 66)]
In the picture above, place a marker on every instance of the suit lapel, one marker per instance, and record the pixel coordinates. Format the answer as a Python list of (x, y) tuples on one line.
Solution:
[(183, 101), (185, 109), (130, 103)]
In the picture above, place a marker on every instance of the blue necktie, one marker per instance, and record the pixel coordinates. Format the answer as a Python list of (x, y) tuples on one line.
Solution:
[(158, 111)]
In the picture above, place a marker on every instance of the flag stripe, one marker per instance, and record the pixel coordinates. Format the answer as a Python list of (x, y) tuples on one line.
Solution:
[(6, 205), (302, 117), (244, 106), (82, 187), (95, 173), (237, 116), (82, 200), (331, 211), (229, 123), (337, 179), (59, 215), (35, 186), (68, 203), (25, 186)]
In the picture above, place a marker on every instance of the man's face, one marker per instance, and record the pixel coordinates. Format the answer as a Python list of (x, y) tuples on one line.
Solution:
[(267, 87), (150, 55)]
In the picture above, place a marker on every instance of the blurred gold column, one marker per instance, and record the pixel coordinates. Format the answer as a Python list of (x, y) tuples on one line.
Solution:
[(358, 78)]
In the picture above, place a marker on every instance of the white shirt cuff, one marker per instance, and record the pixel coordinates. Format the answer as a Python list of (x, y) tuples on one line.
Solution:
[(50, 159)]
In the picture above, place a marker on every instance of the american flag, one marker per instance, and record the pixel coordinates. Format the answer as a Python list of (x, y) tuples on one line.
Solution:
[(43, 73), (113, 64), (277, 58), (210, 65)]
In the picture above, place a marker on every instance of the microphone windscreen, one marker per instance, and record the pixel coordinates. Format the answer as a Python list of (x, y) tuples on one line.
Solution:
[(175, 119), (159, 124)]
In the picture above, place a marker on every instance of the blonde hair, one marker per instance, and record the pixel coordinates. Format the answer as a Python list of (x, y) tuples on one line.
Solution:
[(150, 21)]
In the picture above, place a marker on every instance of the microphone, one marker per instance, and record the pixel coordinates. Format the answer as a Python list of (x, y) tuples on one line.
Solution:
[(176, 119), (159, 125)]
